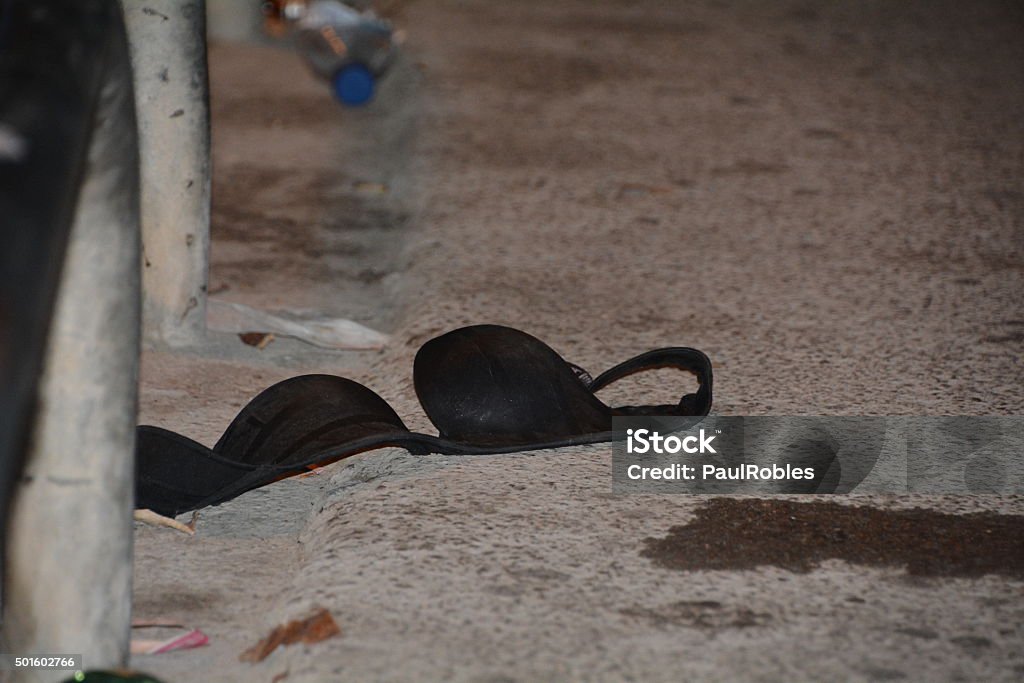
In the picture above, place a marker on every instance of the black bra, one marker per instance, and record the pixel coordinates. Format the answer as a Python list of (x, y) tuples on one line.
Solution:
[(487, 388)]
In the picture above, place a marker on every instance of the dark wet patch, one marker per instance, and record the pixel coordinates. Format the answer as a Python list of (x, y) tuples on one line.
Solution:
[(288, 223), (730, 533), (704, 614)]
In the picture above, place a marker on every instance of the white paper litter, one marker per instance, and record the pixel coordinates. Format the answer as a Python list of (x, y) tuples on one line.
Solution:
[(328, 333)]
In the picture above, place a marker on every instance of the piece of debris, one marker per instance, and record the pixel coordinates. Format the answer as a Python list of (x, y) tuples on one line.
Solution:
[(314, 471), (329, 333), (150, 517), (258, 339), (154, 623), (192, 638), (313, 629)]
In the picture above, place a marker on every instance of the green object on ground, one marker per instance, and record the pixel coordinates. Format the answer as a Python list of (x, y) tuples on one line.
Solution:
[(111, 677)]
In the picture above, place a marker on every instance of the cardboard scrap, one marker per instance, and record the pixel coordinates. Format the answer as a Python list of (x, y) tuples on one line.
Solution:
[(313, 629)]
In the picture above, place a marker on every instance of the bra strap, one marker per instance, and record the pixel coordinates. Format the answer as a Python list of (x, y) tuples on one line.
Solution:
[(679, 357)]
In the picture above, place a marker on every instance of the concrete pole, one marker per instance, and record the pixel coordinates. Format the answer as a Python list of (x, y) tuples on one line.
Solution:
[(69, 546), (167, 39)]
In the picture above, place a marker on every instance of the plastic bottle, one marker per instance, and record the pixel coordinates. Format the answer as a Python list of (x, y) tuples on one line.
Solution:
[(349, 48)]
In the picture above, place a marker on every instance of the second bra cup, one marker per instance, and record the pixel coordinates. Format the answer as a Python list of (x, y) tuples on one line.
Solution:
[(494, 386)]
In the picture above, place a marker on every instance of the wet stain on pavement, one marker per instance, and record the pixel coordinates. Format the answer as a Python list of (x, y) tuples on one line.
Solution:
[(730, 533)]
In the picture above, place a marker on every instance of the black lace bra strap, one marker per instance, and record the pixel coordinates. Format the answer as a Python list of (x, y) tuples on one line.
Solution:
[(679, 357)]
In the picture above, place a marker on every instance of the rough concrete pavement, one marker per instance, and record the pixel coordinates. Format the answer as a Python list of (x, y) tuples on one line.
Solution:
[(824, 197)]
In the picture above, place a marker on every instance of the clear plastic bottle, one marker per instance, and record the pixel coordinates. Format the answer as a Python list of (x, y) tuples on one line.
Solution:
[(347, 47)]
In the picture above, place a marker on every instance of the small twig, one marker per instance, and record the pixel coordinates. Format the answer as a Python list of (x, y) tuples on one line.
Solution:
[(150, 517)]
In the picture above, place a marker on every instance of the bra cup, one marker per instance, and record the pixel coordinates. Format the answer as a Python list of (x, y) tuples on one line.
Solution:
[(303, 416), (174, 473), (492, 385)]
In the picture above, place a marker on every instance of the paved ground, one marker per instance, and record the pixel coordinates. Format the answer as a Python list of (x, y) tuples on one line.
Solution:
[(825, 197)]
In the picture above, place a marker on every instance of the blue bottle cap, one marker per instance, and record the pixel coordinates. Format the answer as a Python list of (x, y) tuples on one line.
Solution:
[(353, 84)]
